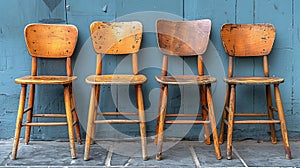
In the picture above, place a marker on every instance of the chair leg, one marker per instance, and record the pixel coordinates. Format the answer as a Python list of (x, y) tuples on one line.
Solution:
[(161, 122), (213, 124), (287, 149), (91, 119), (270, 114), (224, 115), (158, 115), (29, 113), (75, 117), (141, 113), (67, 98), (230, 122), (19, 122), (204, 113), (97, 87)]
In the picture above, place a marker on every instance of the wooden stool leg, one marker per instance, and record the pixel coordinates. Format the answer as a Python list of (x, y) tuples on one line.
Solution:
[(141, 113), (19, 122), (67, 98), (91, 124), (230, 122), (29, 113), (213, 124), (287, 149), (75, 117), (162, 116), (270, 114), (204, 113), (224, 115), (158, 115)]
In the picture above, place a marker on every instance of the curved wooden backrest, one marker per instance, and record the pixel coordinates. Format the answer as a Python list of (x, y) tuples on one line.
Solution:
[(248, 39), (183, 38), (116, 37), (51, 40)]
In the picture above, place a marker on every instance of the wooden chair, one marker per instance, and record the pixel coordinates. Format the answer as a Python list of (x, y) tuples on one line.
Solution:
[(185, 38), (48, 41), (251, 40), (116, 38)]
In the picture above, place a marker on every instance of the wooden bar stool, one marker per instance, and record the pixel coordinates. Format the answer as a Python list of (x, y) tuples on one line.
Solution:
[(116, 38), (48, 41), (251, 40), (185, 38)]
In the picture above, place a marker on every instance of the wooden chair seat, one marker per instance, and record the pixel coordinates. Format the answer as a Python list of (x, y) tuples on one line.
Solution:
[(45, 80), (185, 80), (116, 79), (253, 80)]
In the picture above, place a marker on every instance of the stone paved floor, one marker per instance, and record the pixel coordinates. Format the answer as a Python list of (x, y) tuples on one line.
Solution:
[(127, 154)]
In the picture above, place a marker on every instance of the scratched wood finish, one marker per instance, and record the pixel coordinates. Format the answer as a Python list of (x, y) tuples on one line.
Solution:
[(116, 79), (45, 80), (185, 80), (184, 38), (253, 80), (241, 40), (178, 42), (257, 39), (46, 41), (115, 38), (120, 34)]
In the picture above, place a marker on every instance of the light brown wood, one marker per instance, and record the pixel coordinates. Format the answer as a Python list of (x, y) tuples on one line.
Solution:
[(19, 122), (117, 113), (48, 41), (142, 120), (50, 115), (186, 122), (248, 39), (116, 38), (185, 80), (68, 108), (116, 79), (47, 80), (230, 123), (270, 114), (213, 124), (51, 40), (90, 123), (173, 38), (46, 124), (283, 128), (253, 80), (184, 38)]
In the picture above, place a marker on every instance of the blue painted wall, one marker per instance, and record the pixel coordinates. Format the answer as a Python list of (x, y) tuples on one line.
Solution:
[(15, 61)]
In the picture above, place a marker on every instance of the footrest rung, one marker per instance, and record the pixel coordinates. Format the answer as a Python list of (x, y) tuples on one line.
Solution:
[(45, 124), (117, 113), (116, 121), (50, 115), (183, 115), (186, 122), (257, 122), (250, 115)]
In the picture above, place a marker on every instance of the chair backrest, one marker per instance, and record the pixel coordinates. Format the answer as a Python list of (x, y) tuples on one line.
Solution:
[(248, 39), (51, 40), (183, 38), (116, 37)]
